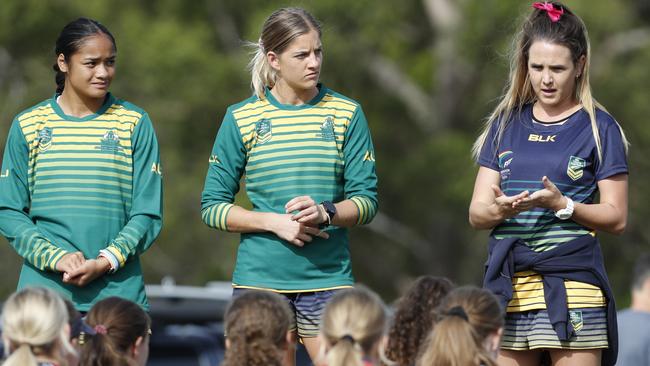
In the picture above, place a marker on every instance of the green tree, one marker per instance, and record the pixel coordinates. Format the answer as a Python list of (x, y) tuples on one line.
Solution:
[(426, 72)]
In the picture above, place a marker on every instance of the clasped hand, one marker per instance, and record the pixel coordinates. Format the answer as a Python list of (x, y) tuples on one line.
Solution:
[(80, 271), (301, 222), (548, 197)]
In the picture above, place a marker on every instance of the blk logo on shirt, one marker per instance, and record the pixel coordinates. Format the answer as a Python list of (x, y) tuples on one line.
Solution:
[(541, 138)]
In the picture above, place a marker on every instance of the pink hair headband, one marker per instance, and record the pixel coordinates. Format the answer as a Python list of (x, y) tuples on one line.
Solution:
[(552, 12)]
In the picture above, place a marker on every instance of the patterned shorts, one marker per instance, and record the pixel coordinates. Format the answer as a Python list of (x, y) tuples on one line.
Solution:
[(307, 308), (533, 330)]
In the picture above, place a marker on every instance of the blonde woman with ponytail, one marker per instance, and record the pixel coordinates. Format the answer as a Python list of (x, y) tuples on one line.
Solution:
[(309, 166), (553, 172), (354, 329), (467, 331), (35, 329)]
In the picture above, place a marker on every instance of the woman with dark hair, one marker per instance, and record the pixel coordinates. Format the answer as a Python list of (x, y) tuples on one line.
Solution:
[(309, 168), (553, 172), (414, 318), (81, 185), (122, 331)]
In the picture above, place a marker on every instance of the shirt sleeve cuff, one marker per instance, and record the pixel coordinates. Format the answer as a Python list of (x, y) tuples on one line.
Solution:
[(111, 258), (216, 216), (117, 254), (54, 260), (366, 207)]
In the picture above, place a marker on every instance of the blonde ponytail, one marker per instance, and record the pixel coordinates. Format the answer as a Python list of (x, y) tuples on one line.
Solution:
[(465, 320), (353, 324), (262, 74), (454, 342), (345, 352), (34, 324), (21, 356)]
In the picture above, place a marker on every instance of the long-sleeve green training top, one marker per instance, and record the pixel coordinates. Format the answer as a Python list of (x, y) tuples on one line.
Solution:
[(72, 184), (322, 149)]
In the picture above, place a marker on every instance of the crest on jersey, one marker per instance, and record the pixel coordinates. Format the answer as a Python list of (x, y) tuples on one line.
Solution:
[(327, 129), (505, 159), (263, 131), (575, 168), (575, 317), (44, 138), (110, 141)]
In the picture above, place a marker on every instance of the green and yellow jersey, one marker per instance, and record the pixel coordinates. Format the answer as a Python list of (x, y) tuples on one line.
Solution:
[(82, 184), (322, 149)]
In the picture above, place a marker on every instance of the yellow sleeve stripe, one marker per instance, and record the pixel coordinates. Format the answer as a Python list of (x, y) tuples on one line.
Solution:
[(216, 216), (360, 209), (366, 209), (51, 265), (223, 214)]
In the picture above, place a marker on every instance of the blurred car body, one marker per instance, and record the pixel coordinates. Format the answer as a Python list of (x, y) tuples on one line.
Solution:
[(187, 324)]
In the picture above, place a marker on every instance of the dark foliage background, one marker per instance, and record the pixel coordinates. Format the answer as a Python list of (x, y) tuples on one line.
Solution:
[(426, 72)]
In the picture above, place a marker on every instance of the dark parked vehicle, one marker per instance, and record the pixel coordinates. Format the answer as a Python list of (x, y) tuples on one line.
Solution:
[(187, 323), (187, 327)]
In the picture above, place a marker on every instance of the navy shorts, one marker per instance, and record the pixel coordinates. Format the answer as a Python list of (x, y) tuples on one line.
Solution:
[(307, 308)]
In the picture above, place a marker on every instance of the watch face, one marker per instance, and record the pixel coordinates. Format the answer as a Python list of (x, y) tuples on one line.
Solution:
[(329, 208)]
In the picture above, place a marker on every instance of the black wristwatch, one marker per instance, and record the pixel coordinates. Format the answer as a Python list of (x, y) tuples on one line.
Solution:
[(330, 209)]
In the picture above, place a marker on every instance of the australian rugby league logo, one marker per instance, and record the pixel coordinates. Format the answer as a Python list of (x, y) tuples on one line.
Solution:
[(577, 321), (575, 168), (110, 142), (263, 131), (327, 129), (505, 159), (44, 138)]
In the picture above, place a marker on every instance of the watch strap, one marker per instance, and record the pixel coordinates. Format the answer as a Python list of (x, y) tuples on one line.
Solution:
[(330, 211), (567, 212)]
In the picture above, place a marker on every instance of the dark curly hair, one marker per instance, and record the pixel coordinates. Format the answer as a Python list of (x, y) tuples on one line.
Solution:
[(414, 318)]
